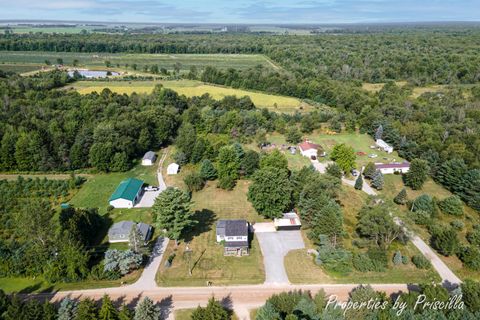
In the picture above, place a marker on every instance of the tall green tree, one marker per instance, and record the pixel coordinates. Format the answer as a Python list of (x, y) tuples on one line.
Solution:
[(207, 170), (401, 197), (378, 180), (369, 170), (173, 213), (87, 310), (228, 166), (135, 239), (344, 156), (214, 311), (274, 159), (108, 310), (147, 310), (68, 309), (359, 182), (417, 175), (270, 192)]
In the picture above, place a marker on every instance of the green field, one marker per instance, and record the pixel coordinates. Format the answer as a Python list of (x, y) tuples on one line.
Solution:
[(219, 61), (191, 88)]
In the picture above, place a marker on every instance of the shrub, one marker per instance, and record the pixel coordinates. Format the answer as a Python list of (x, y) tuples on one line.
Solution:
[(457, 224), (470, 257), (397, 258), (445, 241), (334, 259), (207, 170), (227, 183), (451, 205), (404, 259), (334, 170), (194, 182), (379, 258), (421, 262), (474, 236), (401, 197), (423, 202), (362, 262), (420, 217)]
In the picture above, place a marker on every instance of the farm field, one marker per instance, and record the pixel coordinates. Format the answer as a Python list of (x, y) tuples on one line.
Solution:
[(20, 68), (191, 88), (185, 61)]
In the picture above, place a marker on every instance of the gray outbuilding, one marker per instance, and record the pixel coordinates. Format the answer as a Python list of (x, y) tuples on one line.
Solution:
[(120, 231)]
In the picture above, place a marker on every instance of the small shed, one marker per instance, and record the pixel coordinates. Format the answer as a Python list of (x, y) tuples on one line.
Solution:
[(127, 193), (384, 146), (149, 158), (173, 168), (120, 231), (289, 221)]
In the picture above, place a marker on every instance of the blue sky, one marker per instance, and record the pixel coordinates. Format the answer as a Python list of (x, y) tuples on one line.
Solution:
[(243, 11)]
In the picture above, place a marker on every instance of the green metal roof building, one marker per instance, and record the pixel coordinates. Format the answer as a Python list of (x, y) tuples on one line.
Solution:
[(127, 193)]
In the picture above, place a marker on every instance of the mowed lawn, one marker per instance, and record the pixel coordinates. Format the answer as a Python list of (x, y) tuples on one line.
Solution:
[(167, 61), (211, 204), (192, 88)]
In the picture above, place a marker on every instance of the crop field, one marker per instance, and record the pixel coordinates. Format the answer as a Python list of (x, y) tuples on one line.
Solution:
[(185, 61), (19, 68), (191, 88)]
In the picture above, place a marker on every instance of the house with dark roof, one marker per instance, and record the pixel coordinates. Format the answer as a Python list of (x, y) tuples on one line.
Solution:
[(149, 158), (127, 194), (395, 167), (120, 231), (234, 236)]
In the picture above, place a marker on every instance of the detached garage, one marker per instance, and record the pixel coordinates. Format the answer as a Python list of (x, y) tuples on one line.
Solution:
[(289, 221), (127, 193)]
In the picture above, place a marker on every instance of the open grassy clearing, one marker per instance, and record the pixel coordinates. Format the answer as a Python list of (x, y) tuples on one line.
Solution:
[(191, 88), (200, 61), (20, 68), (417, 91), (301, 267), (50, 176)]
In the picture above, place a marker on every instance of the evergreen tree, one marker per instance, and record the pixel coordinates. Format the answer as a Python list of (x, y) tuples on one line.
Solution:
[(445, 241), (397, 258), (172, 211), (49, 311), (194, 182), (369, 170), (108, 310), (67, 309), (207, 170), (334, 170), (147, 310), (401, 197), (451, 205), (228, 166), (378, 181), (417, 175), (359, 182), (135, 239), (87, 310), (379, 132), (344, 156), (15, 309), (125, 313), (250, 162), (267, 312), (214, 311)]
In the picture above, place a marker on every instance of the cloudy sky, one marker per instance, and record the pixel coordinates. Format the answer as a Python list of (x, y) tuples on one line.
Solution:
[(243, 11)]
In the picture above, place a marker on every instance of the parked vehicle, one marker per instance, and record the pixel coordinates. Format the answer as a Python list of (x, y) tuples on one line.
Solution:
[(354, 172), (372, 155), (150, 188)]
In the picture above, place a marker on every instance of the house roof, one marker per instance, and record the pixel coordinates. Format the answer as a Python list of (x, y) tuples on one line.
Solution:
[(232, 228), (288, 219), (121, 230), (150, 155), (173, 167), (127, 189), (307, 145), (236, 244), (392, 165)]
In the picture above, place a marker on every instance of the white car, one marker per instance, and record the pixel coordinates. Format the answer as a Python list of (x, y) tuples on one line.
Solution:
[(150, 188), (372, 155)]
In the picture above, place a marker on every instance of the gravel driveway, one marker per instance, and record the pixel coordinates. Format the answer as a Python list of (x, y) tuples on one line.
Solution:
[(275, 246)]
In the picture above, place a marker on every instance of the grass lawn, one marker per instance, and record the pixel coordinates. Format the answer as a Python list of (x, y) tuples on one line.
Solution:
[(191, 88), (19, 67), (209, 263)]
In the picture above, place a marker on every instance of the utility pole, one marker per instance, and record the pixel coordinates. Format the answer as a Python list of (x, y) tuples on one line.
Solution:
[(188, 256)]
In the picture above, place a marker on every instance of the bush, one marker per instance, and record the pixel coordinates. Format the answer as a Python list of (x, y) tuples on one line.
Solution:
[(207, 170), (445, 241), (423, 202), (180, 158), (227, 183), (401, 197), (421, 262), (397, 258), (334, 259), (404, 259), (362, 262), (474, 236), (379, 258), (470, 257), (194, 182), (420, 217), (457, 224), (334, 170), (451, 205)]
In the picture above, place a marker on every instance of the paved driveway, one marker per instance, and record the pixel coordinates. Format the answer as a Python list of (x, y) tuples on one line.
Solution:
[(148, 199), (275, 246)]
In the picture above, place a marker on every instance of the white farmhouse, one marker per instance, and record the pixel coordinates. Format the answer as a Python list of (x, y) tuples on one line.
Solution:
[(384, 146), (127, 193), (172, 168), (149, 158), (309, 149), (234, 235), (390, 168)]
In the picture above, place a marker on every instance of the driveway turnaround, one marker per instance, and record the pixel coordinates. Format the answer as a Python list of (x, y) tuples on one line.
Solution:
[(275, 246)]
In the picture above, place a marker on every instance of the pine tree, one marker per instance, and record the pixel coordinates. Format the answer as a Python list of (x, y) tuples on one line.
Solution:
[(125, 313), (397, 258), (417, 175), (87, 310), (172, 209), (67, 310), (379, 132), (401, 197), (359, 182), (207, 170), (135, 239), (267, 312), (14, 310), (378, 181), (369, 170), (146, 310), (108, 310), (214, 310), (49, 311)]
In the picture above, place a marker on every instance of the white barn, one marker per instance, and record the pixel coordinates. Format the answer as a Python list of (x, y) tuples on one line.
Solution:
[(390, 168), (309, 149), (149, 158), (172, 168), (127, 194), (384, 146)]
